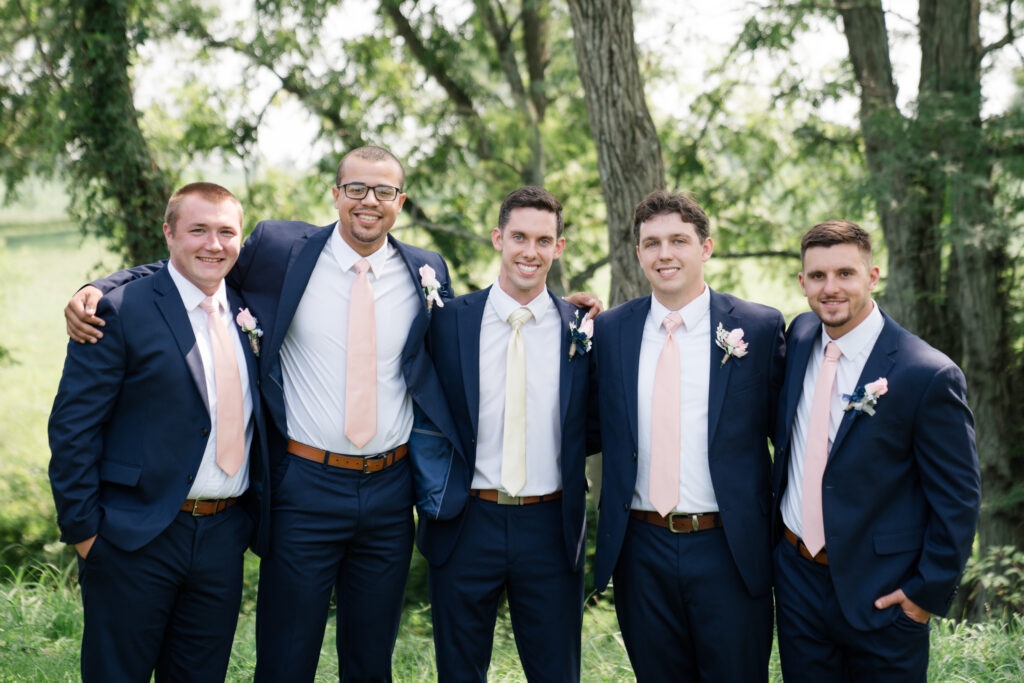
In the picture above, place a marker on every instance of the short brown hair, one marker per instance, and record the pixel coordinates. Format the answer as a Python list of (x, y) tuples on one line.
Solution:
[(836, 231), (531, 197), (211, 192), (660, 202), (371, 153)]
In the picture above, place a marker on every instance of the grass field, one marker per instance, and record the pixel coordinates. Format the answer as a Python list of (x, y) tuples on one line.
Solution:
[(41, 264)]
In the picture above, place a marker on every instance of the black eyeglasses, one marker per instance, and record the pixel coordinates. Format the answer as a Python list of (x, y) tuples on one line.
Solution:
[(383, 193)]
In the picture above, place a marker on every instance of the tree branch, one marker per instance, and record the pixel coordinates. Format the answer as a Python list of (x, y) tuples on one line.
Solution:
[(577, 281), (1008, 38)]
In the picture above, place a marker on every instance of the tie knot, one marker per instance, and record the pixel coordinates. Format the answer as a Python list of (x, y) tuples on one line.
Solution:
[(208, 305), (671, 322), (519, 316), (362, 265), (832, 351)]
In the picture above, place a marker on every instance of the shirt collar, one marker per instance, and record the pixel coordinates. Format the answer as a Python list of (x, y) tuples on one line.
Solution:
[(854, 342), (347, 257), (191, 295), (504, 305), (692, 313)]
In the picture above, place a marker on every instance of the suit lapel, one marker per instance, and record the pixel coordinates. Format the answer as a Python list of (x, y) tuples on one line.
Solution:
[(235, 302), (419, 324), (171, 307), (567, 314), (301, 260), (469, 316), (721, 312), (797, 358), (631, 334), (879, 364)]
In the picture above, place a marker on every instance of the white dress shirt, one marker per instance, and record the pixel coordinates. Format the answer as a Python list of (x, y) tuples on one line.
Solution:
[(211, 481), (856, 346), (693, 339), (542, 338), (313, 354)]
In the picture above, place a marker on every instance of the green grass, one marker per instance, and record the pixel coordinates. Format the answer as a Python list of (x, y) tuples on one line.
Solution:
[(41, 622)]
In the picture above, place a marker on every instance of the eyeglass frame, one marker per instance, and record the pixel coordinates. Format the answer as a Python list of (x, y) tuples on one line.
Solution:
[(345, 189)]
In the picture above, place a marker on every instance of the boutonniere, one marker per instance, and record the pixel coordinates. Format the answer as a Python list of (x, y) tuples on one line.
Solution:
[(730, 341), (247, 321), (431, 286), (865, 398), (581, 335)]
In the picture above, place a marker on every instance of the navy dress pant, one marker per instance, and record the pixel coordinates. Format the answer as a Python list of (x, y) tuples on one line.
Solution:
[(518, 550), (816, 643), (337, 530), (170, 607), (684, 610)]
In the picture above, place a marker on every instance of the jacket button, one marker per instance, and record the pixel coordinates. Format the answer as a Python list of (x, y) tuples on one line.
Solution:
[(191, 478), (204, 431), (625, 507), (634, 456)]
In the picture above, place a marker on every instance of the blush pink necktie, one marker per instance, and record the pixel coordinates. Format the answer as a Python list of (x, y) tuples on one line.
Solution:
[(361, 361), (664, 488), (230, 420), (816, 453)]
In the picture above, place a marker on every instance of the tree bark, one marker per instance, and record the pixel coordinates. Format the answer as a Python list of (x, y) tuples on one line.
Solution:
[(628, 150)]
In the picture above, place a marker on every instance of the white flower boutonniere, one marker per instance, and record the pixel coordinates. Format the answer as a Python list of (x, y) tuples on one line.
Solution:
[(431, 287), (865, 398), (730, 341), (247, 321), (581, 335)]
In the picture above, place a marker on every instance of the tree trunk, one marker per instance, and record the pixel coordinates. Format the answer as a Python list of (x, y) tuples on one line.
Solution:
[(628, 151), (124, 190)]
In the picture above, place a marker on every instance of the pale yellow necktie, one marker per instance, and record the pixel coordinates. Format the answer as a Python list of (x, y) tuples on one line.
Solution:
[(816, 452), (230, 419), (361, 361), (513, 444)]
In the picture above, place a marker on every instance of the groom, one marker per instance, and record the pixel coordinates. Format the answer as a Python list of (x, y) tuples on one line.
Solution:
[(514, 362)]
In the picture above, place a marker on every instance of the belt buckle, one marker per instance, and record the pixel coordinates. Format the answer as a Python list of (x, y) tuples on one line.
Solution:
[(505, 499), (372, 458), (195, 509), (694, 522)]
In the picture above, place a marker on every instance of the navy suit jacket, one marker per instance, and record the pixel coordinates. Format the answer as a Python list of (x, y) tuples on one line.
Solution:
[(455, 348), (742, 395), (901, 489), (272, 272), (130, 421)]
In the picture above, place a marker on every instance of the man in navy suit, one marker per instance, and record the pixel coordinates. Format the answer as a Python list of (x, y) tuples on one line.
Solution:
[(688, 379), (874, 531), (146, 469), (522, 531), (342, 513)]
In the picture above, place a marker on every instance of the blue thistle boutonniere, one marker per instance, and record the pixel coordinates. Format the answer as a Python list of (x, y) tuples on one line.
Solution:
[(865, 398), (581, 335)]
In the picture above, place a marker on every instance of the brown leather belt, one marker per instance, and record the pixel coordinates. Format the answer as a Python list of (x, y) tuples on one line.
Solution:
[(368, 464), (502, 498), (209, 506), (820, 558), (680, 522)]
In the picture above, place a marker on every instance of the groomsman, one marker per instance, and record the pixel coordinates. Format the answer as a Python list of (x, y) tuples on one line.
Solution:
[(155, 436), (688, 383), (514, 362), (876, 474)]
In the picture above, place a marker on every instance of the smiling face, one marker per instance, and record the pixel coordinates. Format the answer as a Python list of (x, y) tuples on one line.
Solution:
[(672, 257), (529, 243), (205, 240), (364, 223), (837, 282)]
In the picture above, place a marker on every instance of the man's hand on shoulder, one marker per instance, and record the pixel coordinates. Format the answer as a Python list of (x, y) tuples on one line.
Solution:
[(586, 300), (80, 314)]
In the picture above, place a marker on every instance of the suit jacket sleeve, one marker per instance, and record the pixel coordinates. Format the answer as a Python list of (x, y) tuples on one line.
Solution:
[(777, 372), (121, 277), (86, 397), (948, 465)]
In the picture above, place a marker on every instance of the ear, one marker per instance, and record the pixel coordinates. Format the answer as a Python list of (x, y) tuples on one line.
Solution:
[(559, 248), (800, 279), (873, 275), (496, 239), (706, 249), (336, 193)]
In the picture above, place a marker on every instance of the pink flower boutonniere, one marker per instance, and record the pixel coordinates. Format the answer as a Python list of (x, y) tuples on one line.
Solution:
[(730, 341), (865, 398), (581, 335), (247, 321), (431, 287)]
